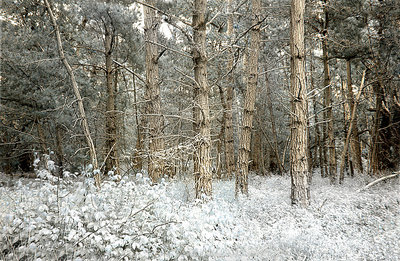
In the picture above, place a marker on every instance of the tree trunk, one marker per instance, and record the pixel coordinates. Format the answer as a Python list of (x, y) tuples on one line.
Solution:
[(317, 141), (202, 171), (300, 177), (111, 127), (59, 150), (375, 140), (229, 141), (249, 101), (155, 119), (273, 126), (137, 161), (328, 101), (354, 142), (346, 143), (85, 126)]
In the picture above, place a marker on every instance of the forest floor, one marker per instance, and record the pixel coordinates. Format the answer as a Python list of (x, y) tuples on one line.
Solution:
[(70, 219)]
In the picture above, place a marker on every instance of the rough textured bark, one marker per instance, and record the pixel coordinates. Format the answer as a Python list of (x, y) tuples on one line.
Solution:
[(328, 101), (300, 177), (202, 171), (155, 120), (111, 127), (355, 141), (228, 122), (85, 126), (249, 100)]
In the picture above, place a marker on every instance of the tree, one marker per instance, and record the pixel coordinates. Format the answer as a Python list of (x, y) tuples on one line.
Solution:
[(228, 112), (152, 95), (328, 98), (249, 100), (82, 113), (202, 171), (300, 177)]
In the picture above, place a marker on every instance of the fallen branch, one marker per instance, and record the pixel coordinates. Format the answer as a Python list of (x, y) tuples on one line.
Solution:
[(379, 180)]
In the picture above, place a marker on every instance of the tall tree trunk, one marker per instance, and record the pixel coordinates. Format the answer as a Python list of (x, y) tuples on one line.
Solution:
[(221, 135), (375, 140), (355, 141), (318, 144), (347, 141), (273, 126), (137, 161), (328, 100), (202, 171), (228, 122), (85, 125), (346, 118), (155, 119), (111, 126), (249, 100), (300, 177)]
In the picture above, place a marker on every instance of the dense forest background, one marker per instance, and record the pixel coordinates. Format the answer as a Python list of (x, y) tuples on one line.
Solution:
[(137, 67)]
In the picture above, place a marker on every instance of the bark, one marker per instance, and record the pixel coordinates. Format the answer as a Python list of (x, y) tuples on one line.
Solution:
[(228, 113), (202, 171), (256, 152), (249, 101), (111, 126), (328, 101), (82, 113), (155, 119), (355, 141), (300, 177)]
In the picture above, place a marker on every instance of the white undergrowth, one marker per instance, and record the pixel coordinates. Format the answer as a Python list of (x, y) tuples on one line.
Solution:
[(131, 220)]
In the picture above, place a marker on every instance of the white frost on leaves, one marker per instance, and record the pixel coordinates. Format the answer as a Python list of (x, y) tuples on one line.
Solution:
[(134, 220)]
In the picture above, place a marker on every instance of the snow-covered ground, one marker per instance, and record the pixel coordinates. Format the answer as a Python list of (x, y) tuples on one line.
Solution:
[(132, 220)]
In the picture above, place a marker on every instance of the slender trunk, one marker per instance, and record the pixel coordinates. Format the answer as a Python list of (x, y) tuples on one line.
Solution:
[(249, 101), (59, 150), (346, 143), (111, 129), (229, 141), (273, 126), (85, 125), (42, 138), (346, 118), (355, 142), (202, 171), (374, 160), (318, 144), (328, 101), (300, 176), (155, 119), (138, 158), (221, 136)]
